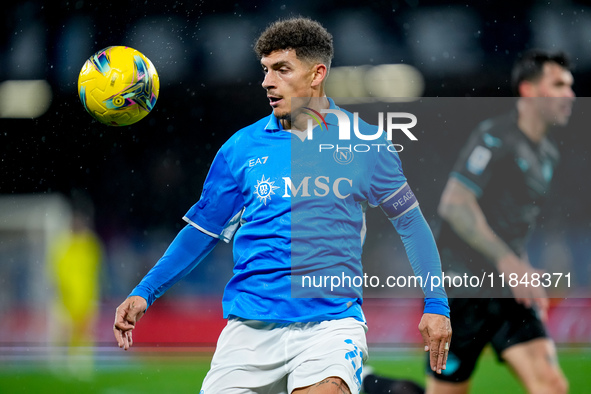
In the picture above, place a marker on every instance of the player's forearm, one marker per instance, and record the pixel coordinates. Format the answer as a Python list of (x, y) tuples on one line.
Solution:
[(469, 223), (184, 253), (424, 258)]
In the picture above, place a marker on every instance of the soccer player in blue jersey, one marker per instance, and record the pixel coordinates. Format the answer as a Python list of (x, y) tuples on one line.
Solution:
[(294, 213)]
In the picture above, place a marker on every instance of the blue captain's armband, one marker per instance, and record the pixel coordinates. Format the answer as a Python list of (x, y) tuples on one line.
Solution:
[(399, 202)]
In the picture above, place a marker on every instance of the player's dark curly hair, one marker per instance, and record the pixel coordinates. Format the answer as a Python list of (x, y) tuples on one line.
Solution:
[(310, 40), (530, 66)]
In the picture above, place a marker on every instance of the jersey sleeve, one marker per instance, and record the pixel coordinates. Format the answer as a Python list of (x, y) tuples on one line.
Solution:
[(219, 210), (388, 186), (474, 165), (424, 258), (188, 249)]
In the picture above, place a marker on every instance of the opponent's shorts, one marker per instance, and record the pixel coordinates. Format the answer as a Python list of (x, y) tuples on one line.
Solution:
[(260, 357), (502, 322)]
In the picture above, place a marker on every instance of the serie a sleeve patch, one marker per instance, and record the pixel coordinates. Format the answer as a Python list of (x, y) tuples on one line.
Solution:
[(399, 202)]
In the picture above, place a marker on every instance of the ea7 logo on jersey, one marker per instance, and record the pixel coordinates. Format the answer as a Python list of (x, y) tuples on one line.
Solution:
[(258, 160), (264, 189)]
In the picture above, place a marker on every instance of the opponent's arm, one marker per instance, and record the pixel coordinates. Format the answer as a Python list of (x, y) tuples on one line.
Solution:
[(187, 250), (435, 326), (459, 207)]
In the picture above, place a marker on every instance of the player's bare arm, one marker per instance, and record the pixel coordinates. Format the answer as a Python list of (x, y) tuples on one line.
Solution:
[(459, 207), (126, 316), (436, 332)]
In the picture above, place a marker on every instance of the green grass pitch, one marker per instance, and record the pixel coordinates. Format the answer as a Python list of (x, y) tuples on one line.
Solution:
[(173, 372)]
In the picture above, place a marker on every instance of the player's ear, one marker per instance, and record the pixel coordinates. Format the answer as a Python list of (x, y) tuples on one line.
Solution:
[(527, 89), (320, 72)]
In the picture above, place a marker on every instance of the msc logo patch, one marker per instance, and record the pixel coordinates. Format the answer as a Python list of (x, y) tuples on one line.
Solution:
[(264, 189)]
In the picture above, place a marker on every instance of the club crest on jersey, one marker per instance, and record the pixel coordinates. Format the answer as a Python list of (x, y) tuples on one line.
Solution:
[(264, 189), (478, 160), (343, 156)]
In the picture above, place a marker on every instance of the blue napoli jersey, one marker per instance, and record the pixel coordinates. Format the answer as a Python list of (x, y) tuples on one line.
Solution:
[(296, 209)]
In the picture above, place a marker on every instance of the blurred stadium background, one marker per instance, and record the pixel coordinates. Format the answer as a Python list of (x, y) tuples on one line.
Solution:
[(140, 180)]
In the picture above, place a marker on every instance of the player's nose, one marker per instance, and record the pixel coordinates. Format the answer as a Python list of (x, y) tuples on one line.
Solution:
[(268, 81)]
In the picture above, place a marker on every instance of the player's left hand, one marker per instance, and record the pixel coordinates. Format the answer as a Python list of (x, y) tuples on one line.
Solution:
[(126, 316), (436, 332)]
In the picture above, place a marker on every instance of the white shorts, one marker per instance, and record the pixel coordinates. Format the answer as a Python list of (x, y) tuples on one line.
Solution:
[(259, 357)]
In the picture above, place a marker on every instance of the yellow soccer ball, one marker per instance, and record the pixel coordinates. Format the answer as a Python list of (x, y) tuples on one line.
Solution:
[(118, 86)]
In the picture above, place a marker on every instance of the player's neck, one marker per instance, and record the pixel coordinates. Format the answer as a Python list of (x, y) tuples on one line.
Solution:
[(299, 122), (531, 124)]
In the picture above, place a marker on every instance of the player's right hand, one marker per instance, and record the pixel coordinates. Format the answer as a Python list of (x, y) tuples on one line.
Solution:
[(126, 315), (530, 296), (436, 332)]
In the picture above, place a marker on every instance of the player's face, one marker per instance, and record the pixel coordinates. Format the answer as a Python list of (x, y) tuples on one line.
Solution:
[(286, 76), (556, 83)]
